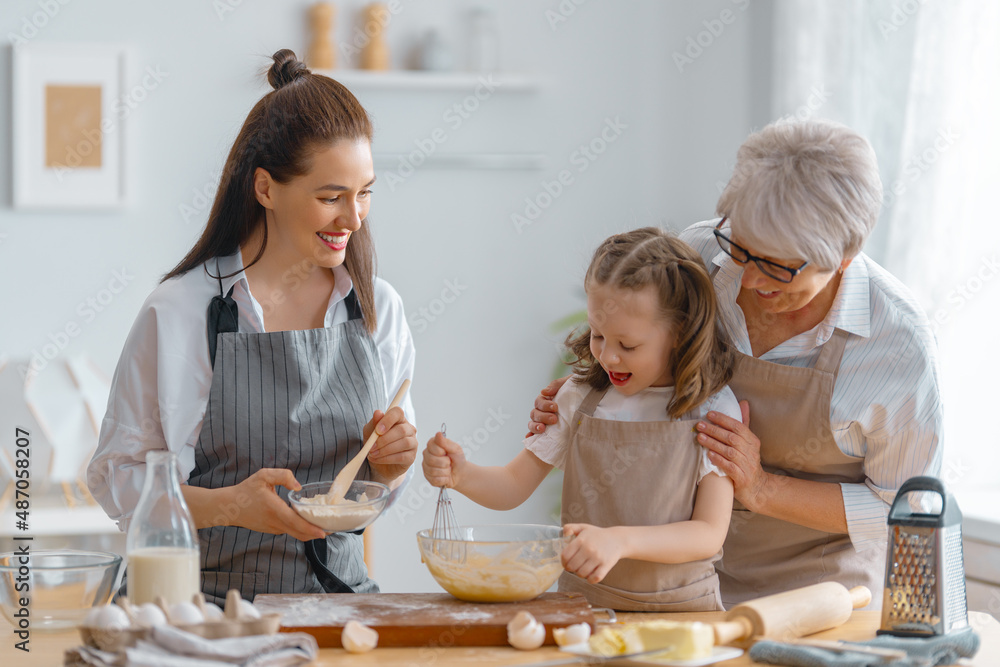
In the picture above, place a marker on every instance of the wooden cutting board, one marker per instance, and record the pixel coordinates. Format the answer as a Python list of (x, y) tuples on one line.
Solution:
[(420, 619)]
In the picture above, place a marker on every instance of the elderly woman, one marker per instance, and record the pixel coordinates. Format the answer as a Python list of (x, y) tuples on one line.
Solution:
[(836, 366)]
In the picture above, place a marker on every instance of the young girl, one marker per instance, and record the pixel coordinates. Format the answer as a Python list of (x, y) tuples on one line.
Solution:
[(263, 357), (647, 510)]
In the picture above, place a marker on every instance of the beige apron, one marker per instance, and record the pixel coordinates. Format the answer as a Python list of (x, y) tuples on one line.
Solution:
[(636, 474), (790, 414)]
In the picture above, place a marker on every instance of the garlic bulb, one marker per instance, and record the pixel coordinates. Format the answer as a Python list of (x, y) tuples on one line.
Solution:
[(573, 634), (524, 632), (358, 638)]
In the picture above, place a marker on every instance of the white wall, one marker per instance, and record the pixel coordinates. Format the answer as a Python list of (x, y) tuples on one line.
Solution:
[(489, 349)]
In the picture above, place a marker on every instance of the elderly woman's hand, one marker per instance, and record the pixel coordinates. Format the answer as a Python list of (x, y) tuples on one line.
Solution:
[(734, 448), (546, 411)]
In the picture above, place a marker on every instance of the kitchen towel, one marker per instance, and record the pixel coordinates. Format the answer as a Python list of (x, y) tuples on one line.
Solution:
[(168, 646), (922, 652)]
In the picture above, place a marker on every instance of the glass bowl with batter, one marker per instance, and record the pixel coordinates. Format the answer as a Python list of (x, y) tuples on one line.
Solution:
[(502, 563)]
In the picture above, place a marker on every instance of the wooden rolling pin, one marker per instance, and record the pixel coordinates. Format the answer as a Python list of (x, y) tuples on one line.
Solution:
[(795, 613)]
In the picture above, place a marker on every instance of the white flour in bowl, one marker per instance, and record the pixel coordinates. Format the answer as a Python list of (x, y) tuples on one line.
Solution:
[(341, 515)]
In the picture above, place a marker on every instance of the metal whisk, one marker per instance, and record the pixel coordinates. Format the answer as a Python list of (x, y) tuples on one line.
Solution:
[(445, 525)]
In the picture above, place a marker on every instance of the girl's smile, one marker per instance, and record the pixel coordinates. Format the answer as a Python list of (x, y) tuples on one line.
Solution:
[(619, 379)]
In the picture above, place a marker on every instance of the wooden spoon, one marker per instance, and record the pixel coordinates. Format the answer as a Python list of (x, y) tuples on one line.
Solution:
[(342, 482)]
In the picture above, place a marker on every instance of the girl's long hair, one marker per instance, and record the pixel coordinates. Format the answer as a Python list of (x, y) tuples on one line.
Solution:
[(702, 360), (305, 112)]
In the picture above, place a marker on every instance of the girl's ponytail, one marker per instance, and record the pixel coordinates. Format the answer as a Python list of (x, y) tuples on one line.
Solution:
[(702, 359)]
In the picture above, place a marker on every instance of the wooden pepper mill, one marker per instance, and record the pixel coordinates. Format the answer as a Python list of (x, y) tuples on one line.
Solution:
[(375, 54), (321, 54)]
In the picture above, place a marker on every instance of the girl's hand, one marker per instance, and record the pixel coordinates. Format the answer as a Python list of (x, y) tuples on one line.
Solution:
[(546, 411), (256, 505), (395, 450), (443, 461), (734, 448), (592, 552)]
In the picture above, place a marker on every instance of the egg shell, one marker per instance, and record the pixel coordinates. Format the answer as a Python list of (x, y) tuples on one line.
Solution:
[(148, 615), (358, 638), (185, 613), (571, 634), (112, 617), (247, 610), (524, 632)]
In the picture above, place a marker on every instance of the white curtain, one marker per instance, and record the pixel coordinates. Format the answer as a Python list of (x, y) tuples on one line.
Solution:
[(920, 79)]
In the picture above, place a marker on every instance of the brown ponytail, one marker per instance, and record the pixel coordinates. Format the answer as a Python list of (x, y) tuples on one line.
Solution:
[(702, 360), (305, 111)]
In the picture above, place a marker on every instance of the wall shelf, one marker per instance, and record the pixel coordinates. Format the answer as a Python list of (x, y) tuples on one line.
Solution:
[(415, 80), (463, 160)]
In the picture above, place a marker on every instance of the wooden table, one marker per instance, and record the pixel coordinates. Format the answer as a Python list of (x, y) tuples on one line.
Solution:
[(47, 648)]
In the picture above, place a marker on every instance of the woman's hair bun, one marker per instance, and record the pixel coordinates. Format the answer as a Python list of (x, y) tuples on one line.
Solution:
[(286, 68)]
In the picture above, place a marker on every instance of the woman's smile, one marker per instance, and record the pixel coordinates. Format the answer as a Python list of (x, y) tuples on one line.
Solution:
[(336, 242)]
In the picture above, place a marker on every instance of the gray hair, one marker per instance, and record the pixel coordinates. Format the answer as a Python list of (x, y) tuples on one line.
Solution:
[(806, 190)]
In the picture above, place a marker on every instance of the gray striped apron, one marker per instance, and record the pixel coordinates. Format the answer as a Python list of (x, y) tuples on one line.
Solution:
[(285, 399)]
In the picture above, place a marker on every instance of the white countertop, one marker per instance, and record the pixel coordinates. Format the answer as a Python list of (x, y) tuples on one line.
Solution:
[(45, 521)]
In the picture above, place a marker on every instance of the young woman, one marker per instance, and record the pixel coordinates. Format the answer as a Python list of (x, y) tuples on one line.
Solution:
[(647, 509), (263, 357)]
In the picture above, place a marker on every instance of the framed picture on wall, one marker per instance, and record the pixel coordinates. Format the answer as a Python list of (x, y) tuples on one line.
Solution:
[(68, 126)]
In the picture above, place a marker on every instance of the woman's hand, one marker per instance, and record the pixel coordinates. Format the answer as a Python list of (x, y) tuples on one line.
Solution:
[(396, 448), (734, 448), (592, 552), (546, 411), (258, 506), (443, 461)]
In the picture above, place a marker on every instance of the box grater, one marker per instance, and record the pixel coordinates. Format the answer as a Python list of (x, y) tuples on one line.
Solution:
[(924, 571)]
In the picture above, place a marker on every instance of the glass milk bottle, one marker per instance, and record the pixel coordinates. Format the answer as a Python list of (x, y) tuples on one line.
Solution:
[(162, 543)]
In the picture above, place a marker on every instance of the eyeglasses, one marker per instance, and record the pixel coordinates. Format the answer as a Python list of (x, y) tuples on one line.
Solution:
[(779, 272)]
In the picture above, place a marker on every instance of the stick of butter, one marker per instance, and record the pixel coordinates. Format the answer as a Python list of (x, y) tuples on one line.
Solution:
[(686, 640)]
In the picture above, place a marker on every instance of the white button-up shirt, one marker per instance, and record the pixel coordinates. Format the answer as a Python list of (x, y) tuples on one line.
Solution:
[(886, 405), (161, 385)]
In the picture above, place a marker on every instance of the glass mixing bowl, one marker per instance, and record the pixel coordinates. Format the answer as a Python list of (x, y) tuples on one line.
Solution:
[(503, 563), (62, 586), (369, 499)]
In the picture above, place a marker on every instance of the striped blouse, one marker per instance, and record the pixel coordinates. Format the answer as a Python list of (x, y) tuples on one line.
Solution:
[(886, 404)]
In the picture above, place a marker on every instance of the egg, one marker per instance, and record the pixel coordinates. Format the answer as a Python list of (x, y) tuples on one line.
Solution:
[(90, 620), (213, 613), (572, 634), (524, 632), (111, 617), (148, 615), (185, 613), (246, 610), (358, 638)]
